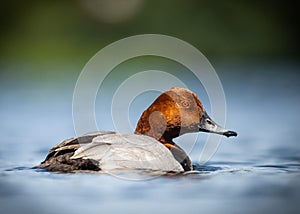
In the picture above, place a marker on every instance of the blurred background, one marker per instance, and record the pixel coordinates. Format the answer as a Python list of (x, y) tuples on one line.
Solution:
[(253, 46), (48, 33), (47, 40)]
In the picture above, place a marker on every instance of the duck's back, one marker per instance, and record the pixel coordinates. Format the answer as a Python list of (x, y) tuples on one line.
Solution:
[(108, 151)]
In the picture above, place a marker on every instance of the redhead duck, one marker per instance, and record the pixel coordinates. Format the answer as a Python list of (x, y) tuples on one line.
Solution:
[(175, 112)]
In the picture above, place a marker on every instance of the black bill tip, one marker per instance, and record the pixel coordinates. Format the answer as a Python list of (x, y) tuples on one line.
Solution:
[(230, 133)]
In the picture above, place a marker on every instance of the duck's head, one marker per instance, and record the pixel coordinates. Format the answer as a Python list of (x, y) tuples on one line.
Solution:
[(176, 112)]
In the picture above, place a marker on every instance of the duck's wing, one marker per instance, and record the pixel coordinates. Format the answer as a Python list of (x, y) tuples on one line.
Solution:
[(58, 158), (120, 151)]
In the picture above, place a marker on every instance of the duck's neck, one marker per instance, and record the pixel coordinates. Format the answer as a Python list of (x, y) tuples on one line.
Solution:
[(165, 138)]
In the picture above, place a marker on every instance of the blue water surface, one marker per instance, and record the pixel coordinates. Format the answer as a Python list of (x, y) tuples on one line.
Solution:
[(256, 172)]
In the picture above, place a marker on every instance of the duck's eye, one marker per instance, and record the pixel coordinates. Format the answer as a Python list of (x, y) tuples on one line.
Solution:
[(209, 122), (185, 103)]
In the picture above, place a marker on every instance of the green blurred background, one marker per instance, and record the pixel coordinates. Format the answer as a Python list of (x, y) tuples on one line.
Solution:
[(47, 34)]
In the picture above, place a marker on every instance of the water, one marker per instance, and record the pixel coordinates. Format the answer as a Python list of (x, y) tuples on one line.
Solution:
[(257, 172)]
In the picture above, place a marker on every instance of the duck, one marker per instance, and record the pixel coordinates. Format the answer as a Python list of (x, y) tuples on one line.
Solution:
[(175, 112)]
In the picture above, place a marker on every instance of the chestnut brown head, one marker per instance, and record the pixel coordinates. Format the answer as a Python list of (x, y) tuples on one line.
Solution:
[(176, 112)]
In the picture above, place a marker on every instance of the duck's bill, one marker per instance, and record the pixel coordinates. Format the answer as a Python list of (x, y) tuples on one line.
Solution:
[(208, 125)]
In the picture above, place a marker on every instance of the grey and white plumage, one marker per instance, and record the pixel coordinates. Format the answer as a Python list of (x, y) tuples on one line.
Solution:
[(108, 151)]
